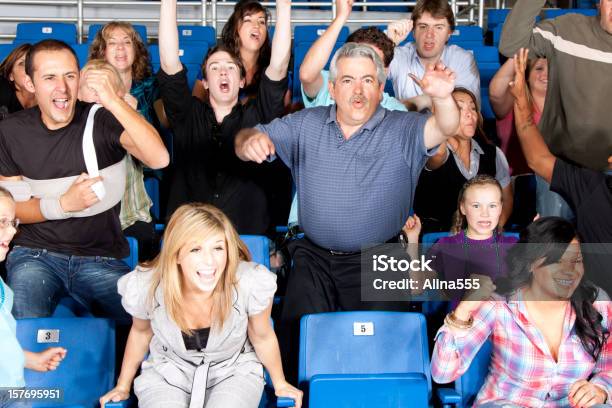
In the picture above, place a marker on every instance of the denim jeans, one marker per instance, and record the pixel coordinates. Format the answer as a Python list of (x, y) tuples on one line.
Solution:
[(40, 278), (549, 203)]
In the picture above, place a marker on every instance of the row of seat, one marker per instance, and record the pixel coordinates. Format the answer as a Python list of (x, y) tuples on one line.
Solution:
[(333, 369)]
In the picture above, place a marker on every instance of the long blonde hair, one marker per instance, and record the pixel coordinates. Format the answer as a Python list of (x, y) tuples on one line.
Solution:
[(189, 222)]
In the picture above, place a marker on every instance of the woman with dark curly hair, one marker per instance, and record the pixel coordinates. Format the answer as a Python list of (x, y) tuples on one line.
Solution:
[(246, 35), (550, 333), (121, 46), (13, 94)]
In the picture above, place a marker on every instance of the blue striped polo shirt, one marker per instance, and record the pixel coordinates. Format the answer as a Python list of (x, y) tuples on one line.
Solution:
[(351, 192)]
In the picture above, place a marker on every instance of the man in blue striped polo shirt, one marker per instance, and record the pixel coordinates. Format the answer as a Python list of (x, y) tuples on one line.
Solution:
[(356, 166)]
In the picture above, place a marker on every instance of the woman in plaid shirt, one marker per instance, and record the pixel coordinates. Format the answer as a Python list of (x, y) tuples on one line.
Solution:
[(550, 336)]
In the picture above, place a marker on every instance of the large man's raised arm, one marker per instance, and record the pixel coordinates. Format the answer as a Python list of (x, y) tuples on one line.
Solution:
[(281, 43), (438, 83), (520, 30), (318, 54)]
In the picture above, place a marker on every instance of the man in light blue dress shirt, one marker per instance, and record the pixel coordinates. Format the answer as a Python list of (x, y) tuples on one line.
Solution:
[(433, 23)]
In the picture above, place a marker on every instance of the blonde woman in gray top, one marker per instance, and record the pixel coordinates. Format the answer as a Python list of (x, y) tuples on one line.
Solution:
[(202, 311)]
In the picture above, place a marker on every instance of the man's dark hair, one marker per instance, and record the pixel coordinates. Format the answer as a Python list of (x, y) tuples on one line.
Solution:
[(437, 9), (46, 45), (223, 48), (373, 36)]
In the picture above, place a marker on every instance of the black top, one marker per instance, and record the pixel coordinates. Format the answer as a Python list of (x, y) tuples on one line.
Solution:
[(436, 194), (8, 99), (29, 149), (198, 340), (589, 194), (206, 166)]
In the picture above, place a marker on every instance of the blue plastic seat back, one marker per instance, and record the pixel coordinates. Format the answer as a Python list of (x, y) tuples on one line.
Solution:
[(368, 390), (132, 259), (465, 36), (94, 28), (472, 380), (363, 342), (299, 53), (82, 52), (34, 32), (152, 187), (311, 33), (259, 247), (5, 50), (496, 17), (487, 59), (554, 13), (486, 109), (190, 54), (197, 34), (88, 370)]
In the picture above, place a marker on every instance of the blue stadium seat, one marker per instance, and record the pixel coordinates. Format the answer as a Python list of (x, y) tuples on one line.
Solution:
[(586, 4), (190, 54), (299, 53), (132, 259), (259, 247), (496, 17), (497, 32), (487, 59), (34, 32), (5, 50), (468, 385), (197, 34), (365, 359), (310, 33), (87, 372), (486, 109), (152, 187), (554, 13), (467, 36), (139, 28), (82, 52)]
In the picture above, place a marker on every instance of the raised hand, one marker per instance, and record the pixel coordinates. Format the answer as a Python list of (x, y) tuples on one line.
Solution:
[(343, 9), (398, 30), (585, 394), (438, 81), (103, 84), (412, 229), (518, 86)]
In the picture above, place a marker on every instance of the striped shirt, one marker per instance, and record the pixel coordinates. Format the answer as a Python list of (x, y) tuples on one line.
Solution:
[(136, 204), (522, 370), (355, 191), (576, 121)]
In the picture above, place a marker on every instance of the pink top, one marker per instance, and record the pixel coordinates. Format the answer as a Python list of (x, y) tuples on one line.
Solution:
[(522, 371), (510, 145)]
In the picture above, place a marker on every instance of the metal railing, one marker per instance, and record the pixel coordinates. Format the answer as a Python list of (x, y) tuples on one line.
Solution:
[(213, 12)]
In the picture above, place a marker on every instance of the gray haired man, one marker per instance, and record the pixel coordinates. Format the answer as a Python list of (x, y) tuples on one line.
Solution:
[(356, 166)]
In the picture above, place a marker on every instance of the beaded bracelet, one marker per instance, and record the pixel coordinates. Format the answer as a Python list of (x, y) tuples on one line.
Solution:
[(453, 321)]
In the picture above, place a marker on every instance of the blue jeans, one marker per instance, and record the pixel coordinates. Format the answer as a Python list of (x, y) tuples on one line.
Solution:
[(40, 278), (549, 203)]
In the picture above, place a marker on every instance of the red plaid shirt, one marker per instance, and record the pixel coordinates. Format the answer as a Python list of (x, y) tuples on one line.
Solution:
[(522, 370)]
